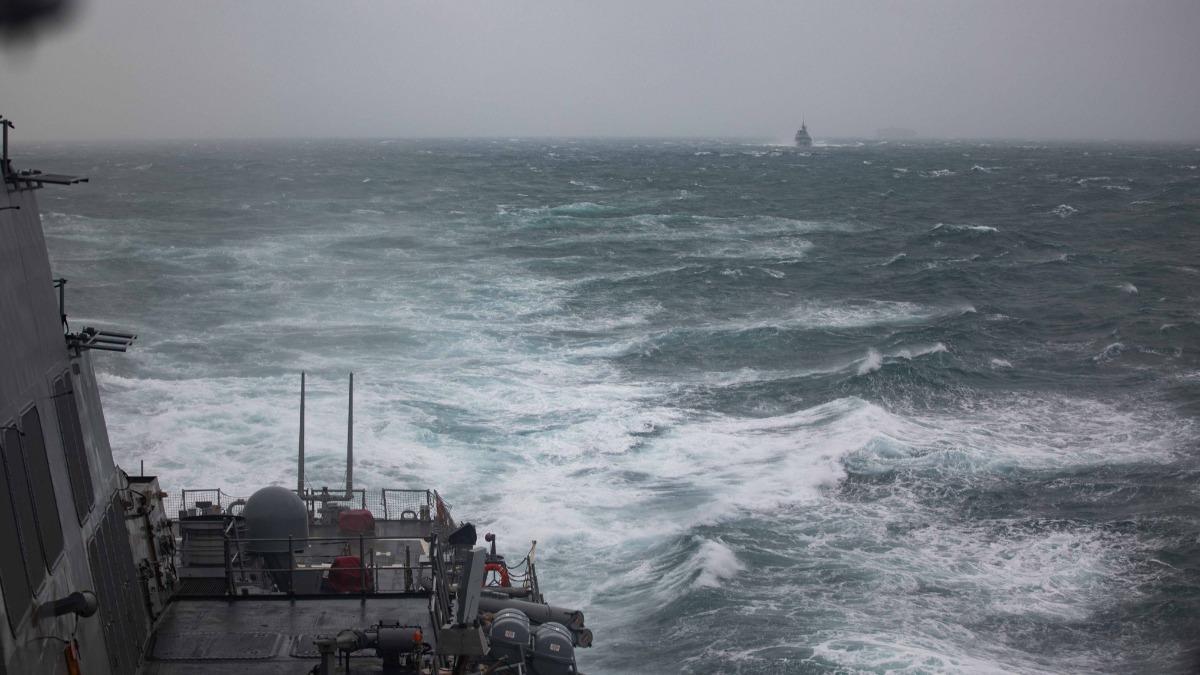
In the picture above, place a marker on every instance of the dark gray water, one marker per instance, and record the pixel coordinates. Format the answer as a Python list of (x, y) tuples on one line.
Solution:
[(870, 407)]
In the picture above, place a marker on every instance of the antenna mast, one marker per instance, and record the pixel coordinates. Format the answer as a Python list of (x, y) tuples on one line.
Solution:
[(350, 443), (300, 459)]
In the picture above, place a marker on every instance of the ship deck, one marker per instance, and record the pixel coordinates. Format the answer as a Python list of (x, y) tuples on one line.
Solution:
[(269, 635)]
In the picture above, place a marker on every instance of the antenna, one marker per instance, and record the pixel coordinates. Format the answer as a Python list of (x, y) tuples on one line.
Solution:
[(350, 443), (300, 459), (5, 125)]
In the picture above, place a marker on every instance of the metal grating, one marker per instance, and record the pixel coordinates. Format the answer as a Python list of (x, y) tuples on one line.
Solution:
[(216, 646)]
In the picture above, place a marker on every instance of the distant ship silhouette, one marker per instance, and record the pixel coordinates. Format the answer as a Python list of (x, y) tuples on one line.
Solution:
[(803, 140)]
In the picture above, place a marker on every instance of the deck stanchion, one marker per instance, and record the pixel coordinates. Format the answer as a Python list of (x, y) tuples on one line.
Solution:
[(228, 563), (291, 568), (407, 569), (362, 568)]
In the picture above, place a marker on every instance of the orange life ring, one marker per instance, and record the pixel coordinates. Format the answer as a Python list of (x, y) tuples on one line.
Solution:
[(499, 568)]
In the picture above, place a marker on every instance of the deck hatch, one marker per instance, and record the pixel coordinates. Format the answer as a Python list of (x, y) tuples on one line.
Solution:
[(216, 646)]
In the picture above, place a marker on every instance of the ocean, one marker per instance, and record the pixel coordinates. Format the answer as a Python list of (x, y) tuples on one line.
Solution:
[(867, 407)]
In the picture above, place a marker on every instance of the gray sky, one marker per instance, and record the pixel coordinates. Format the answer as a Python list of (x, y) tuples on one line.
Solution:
[(265, 68)]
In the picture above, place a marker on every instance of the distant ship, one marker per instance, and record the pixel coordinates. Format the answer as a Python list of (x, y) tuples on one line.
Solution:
[(803, 140)]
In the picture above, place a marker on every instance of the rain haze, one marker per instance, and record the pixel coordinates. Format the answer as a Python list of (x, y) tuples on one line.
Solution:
[(752, 400), (122, 69)]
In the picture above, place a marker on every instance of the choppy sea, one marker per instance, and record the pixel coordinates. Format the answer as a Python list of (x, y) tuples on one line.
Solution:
[(866, 407)]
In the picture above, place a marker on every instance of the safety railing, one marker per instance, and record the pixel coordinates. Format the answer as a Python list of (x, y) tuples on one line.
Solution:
[(406, 504), (523, 573), (273, 566), (384, 504), (441, 586), (208, 501)]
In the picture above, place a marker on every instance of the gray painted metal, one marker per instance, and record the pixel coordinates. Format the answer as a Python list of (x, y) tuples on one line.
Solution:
[(219, 646), (350, 440), (52, 178), (119, 590), (33, 354), (470, 587), (300, 459), (509, 636), (298, 622), (553, 651), (537, 612), (275, 513)]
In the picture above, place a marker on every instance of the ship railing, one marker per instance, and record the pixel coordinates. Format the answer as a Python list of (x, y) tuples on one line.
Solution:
[(523, 573), (207, 501), (441, 586), (384, 504), (306, 574)]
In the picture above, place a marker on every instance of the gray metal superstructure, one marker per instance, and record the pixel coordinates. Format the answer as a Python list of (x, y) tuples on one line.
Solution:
[(105, 572), (803, 140)]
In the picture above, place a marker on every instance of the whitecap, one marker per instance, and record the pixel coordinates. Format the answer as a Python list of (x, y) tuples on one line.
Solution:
[(717, 564), (872, 362), (1064, 210), (964, 228), (1109, 353), (918, 351)]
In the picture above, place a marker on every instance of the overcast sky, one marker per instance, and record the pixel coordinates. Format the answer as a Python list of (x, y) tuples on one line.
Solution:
[(299, 68)]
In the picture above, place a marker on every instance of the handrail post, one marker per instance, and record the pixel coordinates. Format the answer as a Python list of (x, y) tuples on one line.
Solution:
[(407, 569), (362, 568), (291, 568), (228, 563)]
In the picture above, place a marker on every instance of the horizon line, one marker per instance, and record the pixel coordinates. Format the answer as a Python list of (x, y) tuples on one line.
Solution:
[(16, 142)]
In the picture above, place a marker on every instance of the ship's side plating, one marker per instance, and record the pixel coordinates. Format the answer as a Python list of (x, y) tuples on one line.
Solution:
[(62, 497)]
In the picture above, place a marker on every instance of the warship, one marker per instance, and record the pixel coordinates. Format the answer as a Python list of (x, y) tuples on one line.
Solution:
[(107, 571), (803, 140)]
